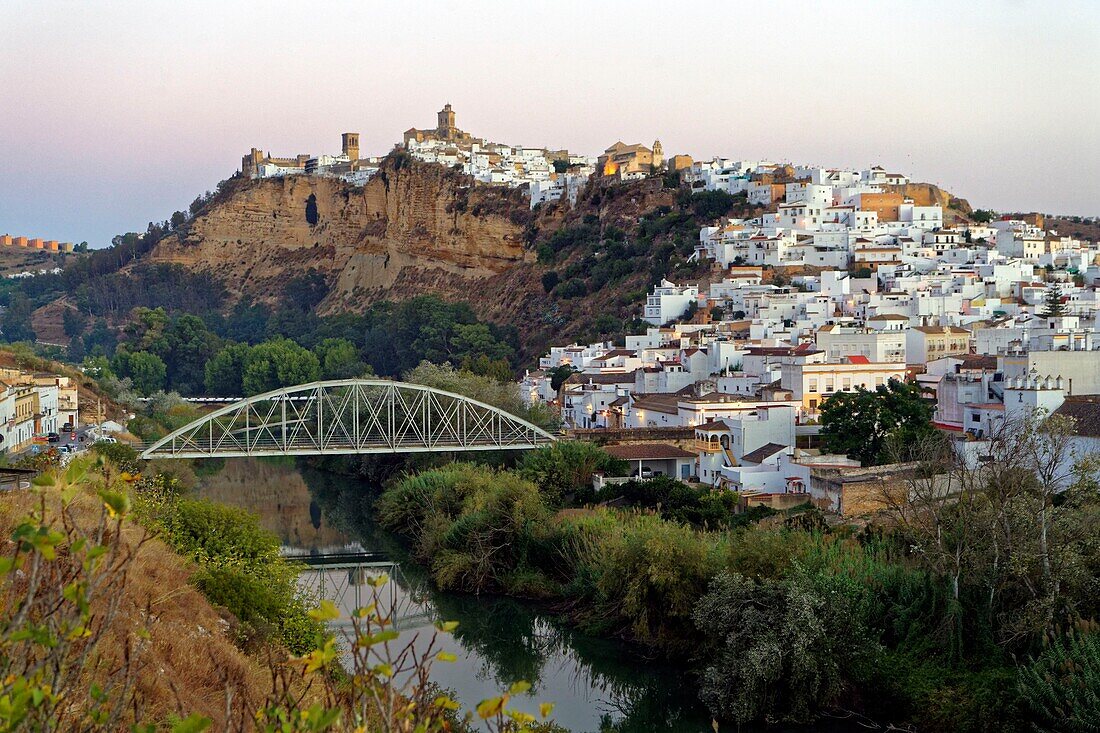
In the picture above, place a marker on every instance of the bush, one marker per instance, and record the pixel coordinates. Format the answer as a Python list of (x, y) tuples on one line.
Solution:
[(675, 500), (241, 568), (472, 525), (120, 454), (1062, 684), (780, 649), (647, 574), (566, 467), (574, 288)]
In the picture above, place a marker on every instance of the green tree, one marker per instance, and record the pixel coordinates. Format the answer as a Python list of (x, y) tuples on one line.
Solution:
[(861, 424), (147, 371), (559, 374), (982, 216), (1052, 303), (100, 340), (190, 346), (504, 395), (549, 280), (74, 322), (224, 372), (75, 351), (15, 323), (278, 363), (305, 291), (566, 467), (339, 359), (475, 339), (498, 369)]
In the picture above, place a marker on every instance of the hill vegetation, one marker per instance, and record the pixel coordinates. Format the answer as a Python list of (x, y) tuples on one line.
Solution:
[(557, 272), (944, 616)]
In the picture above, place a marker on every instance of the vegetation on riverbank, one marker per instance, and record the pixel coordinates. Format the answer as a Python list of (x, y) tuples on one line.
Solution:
[(101, 628), (931, 618)]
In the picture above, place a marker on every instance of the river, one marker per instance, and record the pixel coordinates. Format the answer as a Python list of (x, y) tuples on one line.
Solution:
[(595, 684)]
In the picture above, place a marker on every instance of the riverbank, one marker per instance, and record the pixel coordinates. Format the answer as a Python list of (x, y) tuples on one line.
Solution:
[(108, 627), (779, 621), (131, 639)]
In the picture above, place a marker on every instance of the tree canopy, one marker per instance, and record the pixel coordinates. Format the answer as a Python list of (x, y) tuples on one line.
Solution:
[(862, 423)]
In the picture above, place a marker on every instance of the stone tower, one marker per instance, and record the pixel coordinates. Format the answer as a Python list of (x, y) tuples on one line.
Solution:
[(350, 146), (658, 154), (446, 120)]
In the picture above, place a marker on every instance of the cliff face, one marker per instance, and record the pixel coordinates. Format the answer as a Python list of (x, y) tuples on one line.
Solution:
[(413, 227)]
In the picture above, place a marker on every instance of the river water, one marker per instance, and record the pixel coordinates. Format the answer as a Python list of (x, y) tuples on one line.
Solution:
[(595, 684)]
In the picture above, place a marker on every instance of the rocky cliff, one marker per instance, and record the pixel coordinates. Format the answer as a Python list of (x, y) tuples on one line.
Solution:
[(412, 228)]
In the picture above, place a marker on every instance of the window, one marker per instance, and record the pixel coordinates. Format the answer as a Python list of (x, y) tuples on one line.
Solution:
[(812, 386)]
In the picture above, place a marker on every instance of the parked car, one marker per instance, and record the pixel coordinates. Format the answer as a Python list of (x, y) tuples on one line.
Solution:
[(646, 473), (67, 427), (53, 437)]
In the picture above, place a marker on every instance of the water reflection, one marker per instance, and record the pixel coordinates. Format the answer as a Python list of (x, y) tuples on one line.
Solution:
[(596, 684)]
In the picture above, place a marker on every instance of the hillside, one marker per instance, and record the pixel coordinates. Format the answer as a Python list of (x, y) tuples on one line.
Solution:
[(413, 228), (420, 228), (558, 272), (14, 260)]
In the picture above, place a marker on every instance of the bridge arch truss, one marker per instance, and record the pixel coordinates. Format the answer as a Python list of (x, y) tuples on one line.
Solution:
[(349, 416)]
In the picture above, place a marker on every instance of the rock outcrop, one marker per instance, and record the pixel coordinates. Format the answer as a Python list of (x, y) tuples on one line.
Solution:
[(412, 228)]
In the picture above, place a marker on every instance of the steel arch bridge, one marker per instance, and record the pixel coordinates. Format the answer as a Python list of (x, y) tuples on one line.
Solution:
[(349, 416)]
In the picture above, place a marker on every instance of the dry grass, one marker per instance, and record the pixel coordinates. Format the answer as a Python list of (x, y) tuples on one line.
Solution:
[(188, 662)]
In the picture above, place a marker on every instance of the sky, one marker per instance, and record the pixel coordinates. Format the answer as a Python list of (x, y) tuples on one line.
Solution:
[(115, 114)]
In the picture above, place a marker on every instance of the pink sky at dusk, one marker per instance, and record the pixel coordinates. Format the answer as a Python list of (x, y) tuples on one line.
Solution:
[(115, 114)]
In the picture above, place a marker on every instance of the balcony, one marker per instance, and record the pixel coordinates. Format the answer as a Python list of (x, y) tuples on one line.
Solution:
[(708, 446)]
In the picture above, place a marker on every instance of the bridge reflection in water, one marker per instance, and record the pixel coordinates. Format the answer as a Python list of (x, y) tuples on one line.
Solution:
[(342, 576)]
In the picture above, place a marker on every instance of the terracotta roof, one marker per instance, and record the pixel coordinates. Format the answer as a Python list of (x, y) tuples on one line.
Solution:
[(647, 451), (763, 453), (713, 425), (977, 361), (666, 403), (616, 352), (582, 378), (858, 359), (1085, 410)]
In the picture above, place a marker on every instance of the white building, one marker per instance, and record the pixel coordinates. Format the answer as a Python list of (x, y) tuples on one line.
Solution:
[(669, 301)]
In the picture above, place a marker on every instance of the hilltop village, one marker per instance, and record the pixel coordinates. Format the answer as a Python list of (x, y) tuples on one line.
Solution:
[(845, 284)]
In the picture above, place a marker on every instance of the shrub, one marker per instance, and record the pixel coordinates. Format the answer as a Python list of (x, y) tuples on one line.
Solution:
[(122, 455), (240, 567), (567, 466), (574, 288), (472, 524), (780, 649), (1062, 684), (648, 573)]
